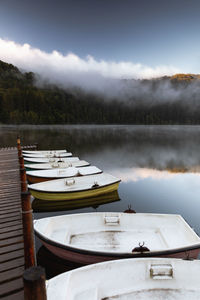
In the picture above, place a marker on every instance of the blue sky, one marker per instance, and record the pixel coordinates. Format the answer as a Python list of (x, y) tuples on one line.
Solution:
[(150, 32)]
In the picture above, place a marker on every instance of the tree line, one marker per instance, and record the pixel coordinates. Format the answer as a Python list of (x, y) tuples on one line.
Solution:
[(21, 101)]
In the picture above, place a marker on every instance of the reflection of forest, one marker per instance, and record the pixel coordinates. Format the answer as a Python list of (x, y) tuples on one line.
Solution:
[(194, 169), (173, 148)]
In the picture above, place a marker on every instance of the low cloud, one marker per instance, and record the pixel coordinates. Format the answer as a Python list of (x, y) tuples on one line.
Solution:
[(70, 70)]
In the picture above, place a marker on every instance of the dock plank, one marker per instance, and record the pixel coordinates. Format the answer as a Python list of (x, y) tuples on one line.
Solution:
[(11, 286), (10, 248), (11, 264), (11, 255), (16, 296), (14, 233), (8, 275)]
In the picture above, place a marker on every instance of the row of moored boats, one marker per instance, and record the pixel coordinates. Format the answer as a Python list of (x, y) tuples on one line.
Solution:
[(147, 245)]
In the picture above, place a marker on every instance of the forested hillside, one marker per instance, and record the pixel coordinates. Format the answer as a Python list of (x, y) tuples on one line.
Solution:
[(21, 101)]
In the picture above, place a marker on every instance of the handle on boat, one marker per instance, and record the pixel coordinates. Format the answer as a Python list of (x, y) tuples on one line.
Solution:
[(161, 271), (112, 220)]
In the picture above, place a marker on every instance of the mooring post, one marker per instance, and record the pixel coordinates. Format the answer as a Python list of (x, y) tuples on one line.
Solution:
[(19, 148), (23, 179), (21, 162), (29, 247), (34, 284)]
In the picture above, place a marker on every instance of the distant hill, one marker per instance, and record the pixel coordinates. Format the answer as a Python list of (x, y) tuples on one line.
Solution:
[(185, 77), (166, 100)]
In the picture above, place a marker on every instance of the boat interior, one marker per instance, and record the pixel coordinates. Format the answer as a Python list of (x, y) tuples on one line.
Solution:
[(129, 279), (118, 232)]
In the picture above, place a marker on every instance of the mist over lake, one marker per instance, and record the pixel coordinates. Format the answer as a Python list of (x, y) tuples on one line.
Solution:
[(159, 165)]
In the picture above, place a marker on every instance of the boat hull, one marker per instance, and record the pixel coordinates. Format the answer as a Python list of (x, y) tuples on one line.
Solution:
[(84, 258), (34, 179), (75, 195)]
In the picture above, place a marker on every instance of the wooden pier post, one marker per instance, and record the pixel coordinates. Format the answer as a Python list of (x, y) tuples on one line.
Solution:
[(34, 284), (19, 148), (23, 180), (21, 162), (27, 219)]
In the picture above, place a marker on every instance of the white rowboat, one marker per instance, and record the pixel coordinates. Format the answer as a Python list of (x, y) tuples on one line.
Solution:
[(129, 279), (43, 151), (48, 155), (44, 175), (94, 237), (42, 160), (62, 165), (75, 187)]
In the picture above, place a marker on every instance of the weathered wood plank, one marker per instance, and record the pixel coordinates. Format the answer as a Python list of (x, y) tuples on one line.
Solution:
[(11, 286), (9, 206), (10, 234), (8, 275), (11, 255), (11, 264), (11, 228), (13, 240), (9, 220), (8, 211), (13, 247), (9, 224), (16, 296), (9, 215)]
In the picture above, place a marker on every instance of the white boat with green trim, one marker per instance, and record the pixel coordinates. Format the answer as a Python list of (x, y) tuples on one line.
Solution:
[(75, 187)]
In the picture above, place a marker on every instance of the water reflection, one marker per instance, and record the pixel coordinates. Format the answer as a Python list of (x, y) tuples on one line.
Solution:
[(158, 147), (94, 202), (54, 265), (159, 165)]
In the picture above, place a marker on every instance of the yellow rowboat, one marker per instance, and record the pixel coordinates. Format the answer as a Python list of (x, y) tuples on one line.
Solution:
[(47, 206), (62, 165), (57, 155), (75, 187), (41, 160), (45, 175)]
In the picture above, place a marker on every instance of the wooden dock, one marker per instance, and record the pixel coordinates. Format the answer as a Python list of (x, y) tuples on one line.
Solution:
[(11, 229), (20, 278)]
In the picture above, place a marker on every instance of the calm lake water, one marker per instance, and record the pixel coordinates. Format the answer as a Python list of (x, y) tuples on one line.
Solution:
[(159, 167)]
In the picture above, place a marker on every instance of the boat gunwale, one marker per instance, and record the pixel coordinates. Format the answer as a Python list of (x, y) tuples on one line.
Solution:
[(69, 192), (31, 159), (49, 158), (117, 255), (28, 166), (60, 155), (44, 151), (55, 178)]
